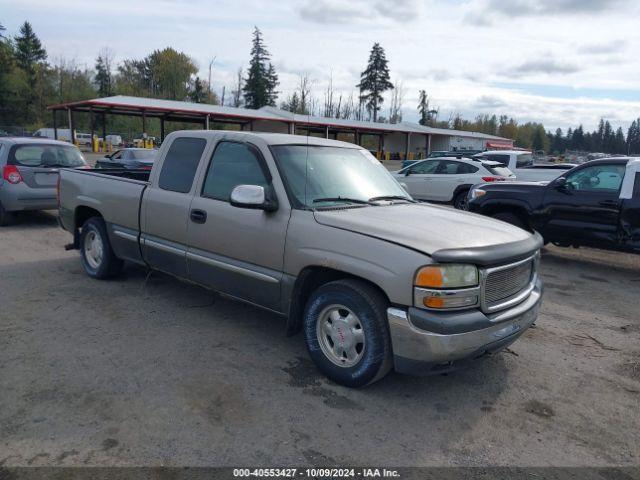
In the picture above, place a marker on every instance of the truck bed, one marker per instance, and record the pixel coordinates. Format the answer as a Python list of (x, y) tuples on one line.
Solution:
[(116, 194)]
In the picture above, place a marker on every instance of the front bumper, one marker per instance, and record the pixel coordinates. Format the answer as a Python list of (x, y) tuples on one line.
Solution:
[(421, 352)]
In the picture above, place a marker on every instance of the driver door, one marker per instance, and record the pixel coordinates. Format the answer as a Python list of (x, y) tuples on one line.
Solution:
[(585, 210), (418, 180)]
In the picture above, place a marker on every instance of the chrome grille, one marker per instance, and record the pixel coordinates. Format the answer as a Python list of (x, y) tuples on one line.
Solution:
[(502, 283)]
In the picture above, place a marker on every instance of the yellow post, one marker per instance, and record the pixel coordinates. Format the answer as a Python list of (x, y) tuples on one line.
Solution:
[(95, 144), (387, 155)]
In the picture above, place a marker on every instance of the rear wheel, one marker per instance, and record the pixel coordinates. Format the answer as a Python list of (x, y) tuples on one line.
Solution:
[(346, 332), (6, 218), (511, 218), (96, 253), (460, 200)]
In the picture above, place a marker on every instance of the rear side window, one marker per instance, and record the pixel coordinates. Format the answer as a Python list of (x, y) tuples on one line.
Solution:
[(524, 160), (180, 164), (232, 164), (466, 168)]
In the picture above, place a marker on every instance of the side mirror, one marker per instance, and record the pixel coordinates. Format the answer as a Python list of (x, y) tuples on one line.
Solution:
[(560, 183), (408, 172), (252, 196)]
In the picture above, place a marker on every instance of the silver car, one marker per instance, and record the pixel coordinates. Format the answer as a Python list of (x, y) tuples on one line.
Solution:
[(30, 173)]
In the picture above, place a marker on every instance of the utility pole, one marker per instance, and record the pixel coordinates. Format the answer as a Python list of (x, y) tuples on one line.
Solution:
[(209, 84), (223, 90)]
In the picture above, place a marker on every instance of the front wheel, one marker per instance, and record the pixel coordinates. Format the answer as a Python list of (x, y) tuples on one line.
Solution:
[(511, 218), (346, 332), (96, 253)]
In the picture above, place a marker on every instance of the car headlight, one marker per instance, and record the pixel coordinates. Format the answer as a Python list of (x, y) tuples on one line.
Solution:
[(447, 276), (477, 193), (442, 287)]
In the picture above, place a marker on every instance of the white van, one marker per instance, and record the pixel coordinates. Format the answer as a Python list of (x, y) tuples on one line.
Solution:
[(115, 140)]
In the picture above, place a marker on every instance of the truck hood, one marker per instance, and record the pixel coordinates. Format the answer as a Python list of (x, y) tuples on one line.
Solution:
[(424, 227)]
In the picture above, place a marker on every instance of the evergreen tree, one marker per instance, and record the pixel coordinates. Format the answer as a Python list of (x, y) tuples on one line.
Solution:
[(102, 79), (633, 138), (557, 143), (28, 49), (260, 85), (619, 142), (197, 94), (423, 108), (374, 81)]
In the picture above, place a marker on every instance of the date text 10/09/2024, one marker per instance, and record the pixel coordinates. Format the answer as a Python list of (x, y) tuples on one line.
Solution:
[(316, 472)]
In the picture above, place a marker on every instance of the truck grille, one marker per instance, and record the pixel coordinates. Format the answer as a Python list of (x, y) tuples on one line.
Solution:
[(503, 283)]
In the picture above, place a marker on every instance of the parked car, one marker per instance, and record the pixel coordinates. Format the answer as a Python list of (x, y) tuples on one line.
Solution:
[(130, 158), (595, 204), (445, 153), (30, 173), (449, 179), (521, 164), (321, 233)]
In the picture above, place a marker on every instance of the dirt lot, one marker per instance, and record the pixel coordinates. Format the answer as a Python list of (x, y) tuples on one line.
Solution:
[(129, 372)]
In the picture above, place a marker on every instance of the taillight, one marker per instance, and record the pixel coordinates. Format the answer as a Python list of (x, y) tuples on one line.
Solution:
[(11, 174), (493, 179)]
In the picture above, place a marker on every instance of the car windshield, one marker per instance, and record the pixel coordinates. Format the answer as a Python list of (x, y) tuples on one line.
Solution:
[(318, 176), (142, 154), (47, 156)]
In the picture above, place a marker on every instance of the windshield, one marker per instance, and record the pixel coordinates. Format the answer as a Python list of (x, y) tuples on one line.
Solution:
[(524, 160), (321, 176), (142, 154), (46, 156)]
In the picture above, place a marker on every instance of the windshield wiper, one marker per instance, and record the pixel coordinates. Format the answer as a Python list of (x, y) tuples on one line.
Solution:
[(341, 199), (390, 197)]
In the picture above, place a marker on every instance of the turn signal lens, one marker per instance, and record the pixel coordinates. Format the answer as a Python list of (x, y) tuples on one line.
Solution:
[(449, 302), (11, 174), (447, 276)]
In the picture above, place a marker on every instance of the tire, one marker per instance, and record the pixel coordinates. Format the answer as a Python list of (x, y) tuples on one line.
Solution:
[(96, 253), (460, 200), (357, 311), (511, 218), (6, 218)]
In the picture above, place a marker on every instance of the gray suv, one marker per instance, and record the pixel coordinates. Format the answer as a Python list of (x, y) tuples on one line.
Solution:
[(30, 173)]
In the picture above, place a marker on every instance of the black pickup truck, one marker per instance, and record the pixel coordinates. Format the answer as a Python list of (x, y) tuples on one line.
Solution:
[(595, 204)]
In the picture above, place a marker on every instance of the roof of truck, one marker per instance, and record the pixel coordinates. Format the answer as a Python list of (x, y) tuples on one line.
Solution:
[(271, 138), (34, 140)]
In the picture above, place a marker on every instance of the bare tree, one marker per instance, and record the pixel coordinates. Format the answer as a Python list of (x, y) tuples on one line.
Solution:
[(397, 98), (329, 106), (237, 92)]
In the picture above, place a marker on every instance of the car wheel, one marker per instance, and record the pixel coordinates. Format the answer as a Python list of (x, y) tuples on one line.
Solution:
[(346, 332), (460, 201), (6, 218), (96, 253), (511, 218)]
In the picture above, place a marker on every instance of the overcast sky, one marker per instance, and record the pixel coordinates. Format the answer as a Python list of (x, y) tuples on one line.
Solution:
[(560, 62)]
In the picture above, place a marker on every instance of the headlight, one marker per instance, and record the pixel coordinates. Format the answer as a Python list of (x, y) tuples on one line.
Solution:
[(447, 276), (477, 193), (446, 287)]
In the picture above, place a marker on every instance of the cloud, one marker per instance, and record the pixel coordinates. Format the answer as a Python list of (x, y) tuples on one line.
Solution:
[(486, 12), (615, 46), (489, 102), (547, 66), (330, 12)]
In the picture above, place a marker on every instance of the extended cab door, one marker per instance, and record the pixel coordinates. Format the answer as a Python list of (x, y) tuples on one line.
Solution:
[(235, 250), (585, 210), (165, 206)]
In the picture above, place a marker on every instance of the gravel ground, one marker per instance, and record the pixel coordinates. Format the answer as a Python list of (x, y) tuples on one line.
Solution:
[(128, 372)]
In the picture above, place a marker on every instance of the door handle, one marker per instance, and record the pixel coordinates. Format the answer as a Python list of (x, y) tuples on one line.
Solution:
[(198, 216)]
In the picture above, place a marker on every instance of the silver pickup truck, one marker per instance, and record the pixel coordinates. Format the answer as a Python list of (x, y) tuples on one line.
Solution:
[(317, 231)]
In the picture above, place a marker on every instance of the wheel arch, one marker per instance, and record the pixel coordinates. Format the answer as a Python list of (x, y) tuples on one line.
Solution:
[(515, 208), (81, 214), (309, 279)]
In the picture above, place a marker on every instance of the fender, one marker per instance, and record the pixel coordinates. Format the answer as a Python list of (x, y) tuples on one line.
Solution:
[(460, 188)]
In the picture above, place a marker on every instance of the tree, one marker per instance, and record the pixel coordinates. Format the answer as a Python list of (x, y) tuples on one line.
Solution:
[(103, 78), (237, 92), (397, 99), (28, 49), (2, 29), (197, 93), (374, 81), (260, 85), (423, 108)]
